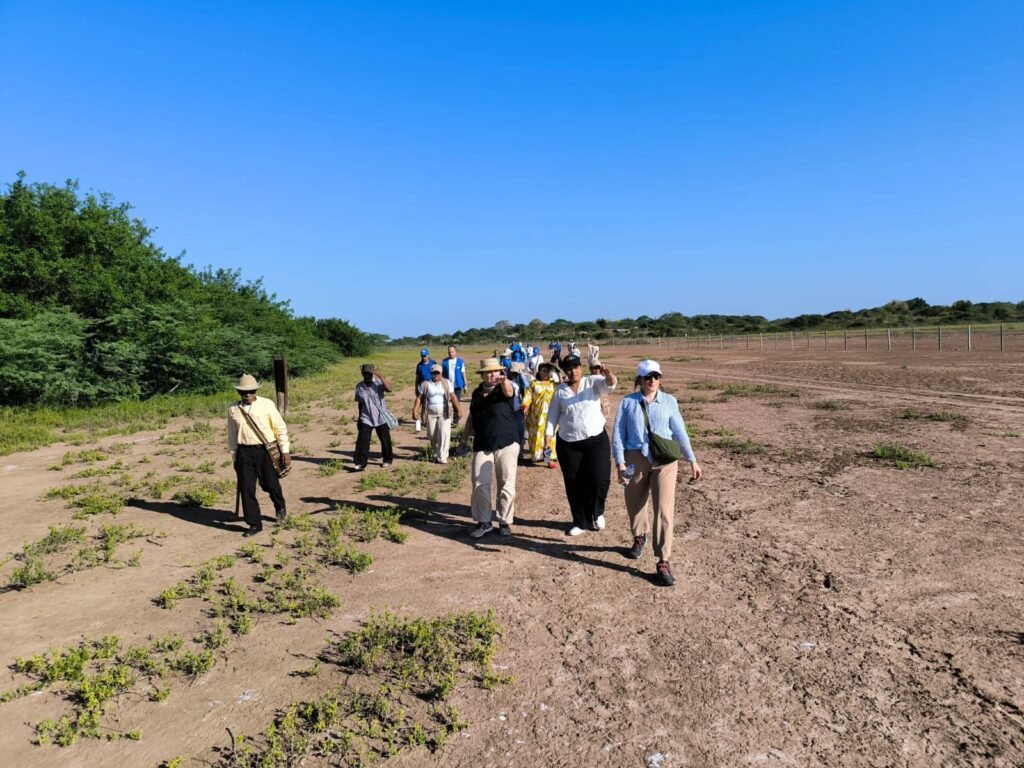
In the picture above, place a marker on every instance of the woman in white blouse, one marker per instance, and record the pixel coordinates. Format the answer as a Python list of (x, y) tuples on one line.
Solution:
[(575, 411)]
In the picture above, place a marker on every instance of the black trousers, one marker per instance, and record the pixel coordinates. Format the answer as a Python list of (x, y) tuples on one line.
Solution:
[(587, 472), (363, 443), (252, 463)]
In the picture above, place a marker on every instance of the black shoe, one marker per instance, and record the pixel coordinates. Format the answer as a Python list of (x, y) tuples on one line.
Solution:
[(664, 574), (637, 550), (282, 515), (505, 530), (252, 532), (358, 467)]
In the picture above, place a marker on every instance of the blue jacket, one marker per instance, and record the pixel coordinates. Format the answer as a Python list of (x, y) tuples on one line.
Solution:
[(423, 371), (456, 377)]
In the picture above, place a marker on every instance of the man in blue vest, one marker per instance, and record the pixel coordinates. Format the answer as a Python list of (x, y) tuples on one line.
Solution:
[(454, 369)]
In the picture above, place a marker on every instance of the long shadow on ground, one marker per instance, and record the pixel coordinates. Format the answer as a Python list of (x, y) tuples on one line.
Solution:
[(454, 522), (211, 518)]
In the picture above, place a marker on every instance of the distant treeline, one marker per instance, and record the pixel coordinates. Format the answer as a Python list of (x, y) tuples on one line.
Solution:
[(895, 314), (92, 311)]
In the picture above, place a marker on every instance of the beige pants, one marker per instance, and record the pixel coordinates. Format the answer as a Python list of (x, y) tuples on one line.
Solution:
[(489, 467), (658, 483), (439, 430)]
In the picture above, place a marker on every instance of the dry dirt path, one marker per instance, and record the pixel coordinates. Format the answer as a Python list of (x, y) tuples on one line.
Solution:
[(831, 609)]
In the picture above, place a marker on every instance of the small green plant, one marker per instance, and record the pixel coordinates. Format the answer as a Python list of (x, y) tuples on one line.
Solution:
[(947, 416), (742, 447), (330, 468), (901, 456), (830, 405), (203, 494), (198, 432)]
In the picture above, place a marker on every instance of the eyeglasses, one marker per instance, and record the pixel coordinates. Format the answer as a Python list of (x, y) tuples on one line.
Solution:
[(654, 376)]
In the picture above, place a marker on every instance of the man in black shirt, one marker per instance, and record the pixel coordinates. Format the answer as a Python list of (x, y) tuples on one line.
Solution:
[(495, 432)]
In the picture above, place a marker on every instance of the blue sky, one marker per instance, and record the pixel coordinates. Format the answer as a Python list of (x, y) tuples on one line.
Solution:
[(426, 167)]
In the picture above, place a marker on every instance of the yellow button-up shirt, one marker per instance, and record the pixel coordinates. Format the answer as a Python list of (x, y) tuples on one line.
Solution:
[(267, 418)]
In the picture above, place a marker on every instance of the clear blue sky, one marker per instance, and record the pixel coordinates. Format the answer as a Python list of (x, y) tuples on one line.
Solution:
[(425, 167)]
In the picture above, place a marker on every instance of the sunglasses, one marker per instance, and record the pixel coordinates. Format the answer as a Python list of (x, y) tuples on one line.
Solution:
[(246, 394), (654, 376)]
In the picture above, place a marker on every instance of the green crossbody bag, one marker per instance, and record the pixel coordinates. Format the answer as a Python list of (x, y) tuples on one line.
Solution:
[(663, 450)]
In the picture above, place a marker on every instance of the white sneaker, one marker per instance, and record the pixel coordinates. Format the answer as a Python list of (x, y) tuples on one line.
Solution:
[(481, 530), (575, 531), (600, 522), (419, 425)]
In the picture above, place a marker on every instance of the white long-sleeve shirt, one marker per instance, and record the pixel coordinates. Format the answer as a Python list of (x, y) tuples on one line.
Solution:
[(578, 414)]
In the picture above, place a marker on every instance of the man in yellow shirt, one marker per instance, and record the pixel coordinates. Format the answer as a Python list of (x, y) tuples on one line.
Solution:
[(252, 462)]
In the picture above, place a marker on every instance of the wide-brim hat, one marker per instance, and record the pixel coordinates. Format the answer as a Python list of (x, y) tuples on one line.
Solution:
[(647, 367), (247, 383), (489, 365)]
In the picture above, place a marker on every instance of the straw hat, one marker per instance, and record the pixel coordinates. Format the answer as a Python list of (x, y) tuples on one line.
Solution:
[(247, 383), (489, 365)]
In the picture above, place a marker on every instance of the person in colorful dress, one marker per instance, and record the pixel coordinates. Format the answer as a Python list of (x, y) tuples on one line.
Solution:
[(536, 400)]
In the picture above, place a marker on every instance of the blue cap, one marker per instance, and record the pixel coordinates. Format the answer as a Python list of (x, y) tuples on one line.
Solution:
[(424, 352)]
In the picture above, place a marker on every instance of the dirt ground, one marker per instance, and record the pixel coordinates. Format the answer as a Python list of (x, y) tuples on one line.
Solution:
[(832, 609)]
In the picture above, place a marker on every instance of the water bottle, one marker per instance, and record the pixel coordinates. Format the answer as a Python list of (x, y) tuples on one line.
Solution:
[(547, 455), (628, 474)]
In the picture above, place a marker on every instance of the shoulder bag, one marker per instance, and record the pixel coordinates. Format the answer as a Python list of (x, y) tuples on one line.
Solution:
[(663, 450), (273, 449)]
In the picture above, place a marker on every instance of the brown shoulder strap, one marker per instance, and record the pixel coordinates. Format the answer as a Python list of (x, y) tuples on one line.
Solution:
[(252, 424)]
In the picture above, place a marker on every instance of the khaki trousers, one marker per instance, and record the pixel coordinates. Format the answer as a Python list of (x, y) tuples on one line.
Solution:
[(439, 430), (659, 483), (491, 467)]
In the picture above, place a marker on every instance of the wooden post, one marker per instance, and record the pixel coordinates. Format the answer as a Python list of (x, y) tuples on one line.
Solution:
[(826, 340), (865, 338), (760, 340), (1000, 337), (281, 383), (808, 332), (846, 335), (746, 336), (969, 338), (940, 338), (888, 339), (792, 342), (721, 341), (776, 341)]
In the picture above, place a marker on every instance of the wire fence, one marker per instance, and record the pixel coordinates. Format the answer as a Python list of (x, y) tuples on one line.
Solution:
[(934, 339)]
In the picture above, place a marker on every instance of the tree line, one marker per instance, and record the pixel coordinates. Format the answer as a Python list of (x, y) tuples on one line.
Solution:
[(91, 310), (895, 314)]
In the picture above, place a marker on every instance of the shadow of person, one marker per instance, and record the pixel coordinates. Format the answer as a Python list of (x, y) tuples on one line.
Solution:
[(329, 505), (454, 522), (211, 518), (313, 460)]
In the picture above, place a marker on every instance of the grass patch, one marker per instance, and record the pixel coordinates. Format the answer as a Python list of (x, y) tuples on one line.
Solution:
[(947, 416), (90, 499), (901, 456), (205, 493), (411, 667), (741, 447), (91, 675), (330, 468), (201, 431), (830, 405), (418, 476)]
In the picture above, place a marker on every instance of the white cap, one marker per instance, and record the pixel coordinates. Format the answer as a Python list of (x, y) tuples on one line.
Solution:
[(646, 367)]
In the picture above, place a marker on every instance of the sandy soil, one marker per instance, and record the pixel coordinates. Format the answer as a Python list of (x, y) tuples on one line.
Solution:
[(831, 609)]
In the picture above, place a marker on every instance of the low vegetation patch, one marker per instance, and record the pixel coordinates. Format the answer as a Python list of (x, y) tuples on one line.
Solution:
[(90, 499), (201, 431), (409, 668), (901, 456), (94, 673), (418, 477), (831, 405), (947, 416)]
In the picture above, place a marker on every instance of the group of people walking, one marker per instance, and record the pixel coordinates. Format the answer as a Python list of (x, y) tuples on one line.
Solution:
[(557, 418)]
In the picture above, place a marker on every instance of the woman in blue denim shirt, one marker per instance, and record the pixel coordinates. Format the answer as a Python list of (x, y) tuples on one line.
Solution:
[(631, 446)]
